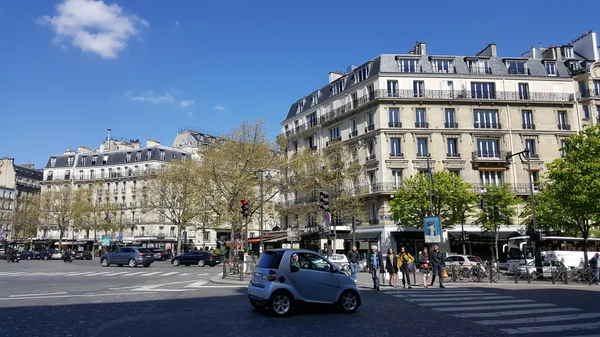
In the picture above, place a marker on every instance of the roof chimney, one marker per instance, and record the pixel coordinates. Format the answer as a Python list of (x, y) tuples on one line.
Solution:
[(334, 76), (489, 50), (108, 135)]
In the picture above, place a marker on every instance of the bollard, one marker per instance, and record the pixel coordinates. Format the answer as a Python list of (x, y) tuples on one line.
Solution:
[(528, 275), (491, 272), (224, 269), (453, 273), (589, 276), (517, 276), (566, 276), (552, 275), (414, 270), (478, 273)]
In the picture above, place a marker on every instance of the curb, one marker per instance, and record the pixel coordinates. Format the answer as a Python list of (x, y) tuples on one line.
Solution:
[(224, 281)]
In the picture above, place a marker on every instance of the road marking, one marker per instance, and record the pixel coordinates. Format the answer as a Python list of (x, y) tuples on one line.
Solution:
[(479, 293), (539, 319), (203, 274), (64, 296), (458, 299), (115, 274), (471, 303), (514, 313), (154, 273), (171, 273), (98, 274), (198, 284), (136, 273), (42, 294), (497, 307), (184, 274), (226, 286), (123, 288), (552, 328)]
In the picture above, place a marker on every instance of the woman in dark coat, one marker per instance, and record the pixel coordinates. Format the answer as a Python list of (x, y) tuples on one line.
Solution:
[(391, 266)]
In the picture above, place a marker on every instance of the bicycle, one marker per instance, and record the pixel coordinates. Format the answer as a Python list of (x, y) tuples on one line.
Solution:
[(481, 272)]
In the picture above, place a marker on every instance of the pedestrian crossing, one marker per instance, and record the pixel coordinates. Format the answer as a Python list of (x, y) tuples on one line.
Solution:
[(99, 274), (509, 314)]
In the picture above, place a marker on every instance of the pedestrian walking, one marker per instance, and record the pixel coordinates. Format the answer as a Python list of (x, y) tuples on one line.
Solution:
[(391, 265), (375, 264), (404, 261), (353, 258), (437, 263), (425, 267), (594, 266)]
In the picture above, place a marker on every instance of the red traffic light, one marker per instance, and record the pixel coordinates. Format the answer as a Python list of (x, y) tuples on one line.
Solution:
[(244, 202)]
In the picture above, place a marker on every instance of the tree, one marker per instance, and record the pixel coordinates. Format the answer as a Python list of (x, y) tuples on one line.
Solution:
[(499, 210), (63, 206), (451, 197), (26, 216), (175, 193), (550, 215), (231, 172), (334, 171), (100, 210), (574, 182)]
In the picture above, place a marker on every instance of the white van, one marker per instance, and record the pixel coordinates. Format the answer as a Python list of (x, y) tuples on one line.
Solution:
[(571, 259)]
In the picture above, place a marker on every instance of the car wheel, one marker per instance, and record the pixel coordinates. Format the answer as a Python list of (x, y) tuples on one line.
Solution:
[(105, 262), (280, 303), (119, 265), (257, 305), (212, 265), (348, 301), (176, 263), (29, 258), (146, 265), (132, 263), (201, 263), (345, 267)]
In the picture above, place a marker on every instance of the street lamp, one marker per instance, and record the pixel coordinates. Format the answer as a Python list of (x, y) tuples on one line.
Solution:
[(525, 157), (262, 211), (462, 233)]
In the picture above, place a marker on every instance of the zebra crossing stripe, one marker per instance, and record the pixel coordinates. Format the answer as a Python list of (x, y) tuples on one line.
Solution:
[(98, 274), (154, 273), (480, 293), (552, 328), (515, 313), (131, 274), (459, 299), (171, 273), (115, 274), (496, 307), (449, 304), (539, 319)]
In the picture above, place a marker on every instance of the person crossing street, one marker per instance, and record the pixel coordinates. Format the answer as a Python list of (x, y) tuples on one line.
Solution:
[(375, 264), (438, 262)]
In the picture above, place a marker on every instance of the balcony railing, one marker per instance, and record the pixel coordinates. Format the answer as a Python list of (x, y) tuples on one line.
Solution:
[(395, 124), (480, 70), (370, 128), (529, 126), (330, 142), (353, 134), (453, 155), (487, 125), (490, 156), (408, 94), (396, 155), (519, 188), (422, 155), (564, 127), (388, 187), (421, 125), (588, 93), (371, 157), (451, 125)]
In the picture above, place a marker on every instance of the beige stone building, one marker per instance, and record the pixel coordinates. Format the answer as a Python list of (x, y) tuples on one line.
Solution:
[(464, 114), (15, 181)]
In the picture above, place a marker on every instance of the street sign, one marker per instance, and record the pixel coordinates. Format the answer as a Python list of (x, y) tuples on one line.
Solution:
[(432, 227), (120, 236), (105, 240)]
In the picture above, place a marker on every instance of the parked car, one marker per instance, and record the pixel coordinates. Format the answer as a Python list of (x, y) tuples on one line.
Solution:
[(549, 269), (340, 259), (195, 257), (281, 281), (56, 255), (45, 254), (158, 254), (83, 255), (30, 255), (131, 256), (5, 253)]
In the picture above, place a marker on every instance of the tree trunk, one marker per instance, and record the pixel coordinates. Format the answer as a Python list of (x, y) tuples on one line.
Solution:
[(496, 246), (585, 245), (60, 236), (178, 239)]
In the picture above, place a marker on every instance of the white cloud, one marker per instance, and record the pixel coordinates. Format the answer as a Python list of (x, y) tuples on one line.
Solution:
[(220, 107), (94, 26), (185, 103), (176, 22), (150, 97), (190, 113)]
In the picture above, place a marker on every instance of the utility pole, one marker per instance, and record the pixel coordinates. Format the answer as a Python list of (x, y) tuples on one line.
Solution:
[(430, 173), (262, 202)]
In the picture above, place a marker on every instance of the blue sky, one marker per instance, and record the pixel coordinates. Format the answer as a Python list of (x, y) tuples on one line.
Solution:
[(147, 68)]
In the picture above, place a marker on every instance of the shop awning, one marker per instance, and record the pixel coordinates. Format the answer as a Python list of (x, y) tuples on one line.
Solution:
[(270, 237), (370, 235)]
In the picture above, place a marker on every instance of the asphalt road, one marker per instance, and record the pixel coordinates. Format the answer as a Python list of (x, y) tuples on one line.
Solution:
[(62, 301)]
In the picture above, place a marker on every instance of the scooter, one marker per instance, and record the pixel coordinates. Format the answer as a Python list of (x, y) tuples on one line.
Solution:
[(68, 257), (13, 259)]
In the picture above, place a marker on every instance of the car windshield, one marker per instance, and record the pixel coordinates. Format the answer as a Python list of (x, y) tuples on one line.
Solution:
[(473, 259)]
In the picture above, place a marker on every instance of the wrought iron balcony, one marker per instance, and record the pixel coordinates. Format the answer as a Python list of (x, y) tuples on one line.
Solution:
[(353, 134), (564, 127), (395, 124), (396, 155), (487, 125), (493, 156), (371, 157), (387, 187), (451, 125), (453, 155), (369, 128), (480, 70), (330, 142), (421, 125), (529, 126)]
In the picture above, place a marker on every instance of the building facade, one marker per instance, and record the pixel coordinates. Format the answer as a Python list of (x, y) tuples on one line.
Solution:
[(463, 114), (15, 181)]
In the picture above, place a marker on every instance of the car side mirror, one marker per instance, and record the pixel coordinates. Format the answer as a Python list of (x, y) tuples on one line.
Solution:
[(294, 269)]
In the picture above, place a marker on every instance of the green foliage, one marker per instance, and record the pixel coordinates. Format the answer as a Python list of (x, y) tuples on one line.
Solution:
[(451, 197), (550, 215)]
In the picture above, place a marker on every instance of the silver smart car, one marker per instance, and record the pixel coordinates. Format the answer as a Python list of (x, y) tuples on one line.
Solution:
[(286, 278)]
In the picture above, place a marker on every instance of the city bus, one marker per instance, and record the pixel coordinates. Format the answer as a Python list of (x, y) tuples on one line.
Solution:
[(519, 250)]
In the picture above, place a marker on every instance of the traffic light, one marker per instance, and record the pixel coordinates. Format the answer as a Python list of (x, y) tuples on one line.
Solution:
[(324, 201), (245, 208), (483, 204)]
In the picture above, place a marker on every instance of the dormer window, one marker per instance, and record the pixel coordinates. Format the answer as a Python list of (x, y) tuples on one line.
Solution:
[(148, 154), (361, 74), (568, 52), (104, 159), (70, 161), (479, 67), (314, 100), (52, 162), (409, 65), (94, 160), (443, 66), (338, 86), (517, 67), (163, 155), (550, 68)]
